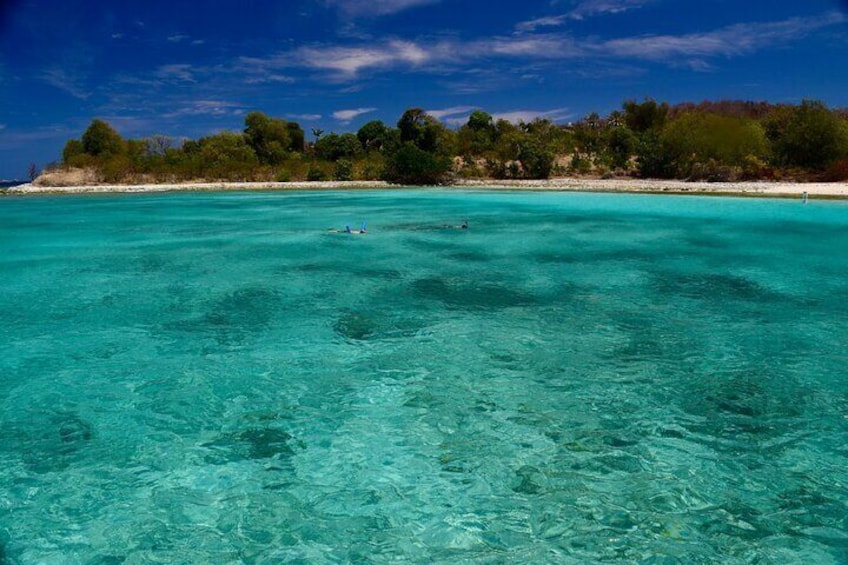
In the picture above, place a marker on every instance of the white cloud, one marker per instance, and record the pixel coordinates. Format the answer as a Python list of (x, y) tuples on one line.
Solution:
[(207, 108), (533, 25), (446, 56), (349, 61), (269, 78), (177, 37), (180, 72), (64, 80), (458, 115), (515, 116), (588, 8), (377, 7), (731, 41), (348, 115), (2, 127), (546, 47), (455, 116), (452, 112), (305, 117)]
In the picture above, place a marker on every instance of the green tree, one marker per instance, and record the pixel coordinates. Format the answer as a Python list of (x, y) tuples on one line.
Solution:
[(620, 143), (421, 129), (424, 150), (72, 152), (225, 155), (333, 147), (269, 138), (698, 138), (537, 162), (373, 136), (101, 140), (653, 159), (477, 136), (809, 136), (412, 165), (645, 116), (297, 137)]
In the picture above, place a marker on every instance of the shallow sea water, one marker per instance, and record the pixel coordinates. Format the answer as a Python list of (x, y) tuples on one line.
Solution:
[(577, 378)]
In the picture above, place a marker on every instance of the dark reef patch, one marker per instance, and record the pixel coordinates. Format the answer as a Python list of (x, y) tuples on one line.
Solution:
[(250, 444), (358, 325), (471, 295), (234, 318), (715, 287), (50, 443)]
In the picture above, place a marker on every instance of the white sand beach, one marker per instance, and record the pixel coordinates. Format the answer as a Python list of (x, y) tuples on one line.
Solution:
[(765, 189)]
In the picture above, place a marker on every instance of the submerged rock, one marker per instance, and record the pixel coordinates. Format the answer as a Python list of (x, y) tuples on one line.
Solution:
[(53, 444), (250, 444), (355, 326), (472, 295)]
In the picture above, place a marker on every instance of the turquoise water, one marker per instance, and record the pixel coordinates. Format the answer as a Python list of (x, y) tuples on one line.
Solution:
[(577, 378)]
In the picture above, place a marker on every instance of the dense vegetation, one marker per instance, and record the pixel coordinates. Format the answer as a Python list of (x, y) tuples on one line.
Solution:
[(709, 141)]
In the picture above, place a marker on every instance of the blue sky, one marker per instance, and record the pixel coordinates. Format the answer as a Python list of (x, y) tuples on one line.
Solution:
[(192, 68)]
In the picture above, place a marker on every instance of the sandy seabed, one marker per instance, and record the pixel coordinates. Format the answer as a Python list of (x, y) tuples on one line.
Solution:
[(766, 189)]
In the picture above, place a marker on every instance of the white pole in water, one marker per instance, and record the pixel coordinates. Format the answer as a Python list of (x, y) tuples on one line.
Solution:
[(804, 197)]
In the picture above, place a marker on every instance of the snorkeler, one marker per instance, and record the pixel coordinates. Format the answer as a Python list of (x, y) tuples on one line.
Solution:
[(347, 229)]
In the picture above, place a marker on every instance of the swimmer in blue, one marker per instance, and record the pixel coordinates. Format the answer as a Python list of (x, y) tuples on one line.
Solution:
[(348, 230)]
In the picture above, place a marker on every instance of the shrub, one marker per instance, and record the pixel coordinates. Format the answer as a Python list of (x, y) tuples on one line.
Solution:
[(317, 173), (412, 165), (344, 170), (838, 171)]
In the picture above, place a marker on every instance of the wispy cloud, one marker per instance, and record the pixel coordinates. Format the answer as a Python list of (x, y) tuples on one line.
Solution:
[(377, 7), (458, 115), (305, 117), (452, 114), (346, 116), (692, 50), (533, 25), (735, 40), (588, 8), (466, 66), (269, 78), (349, 61), (213, 108), (177, 37), (515, 116), (179, 72), (67, 81)]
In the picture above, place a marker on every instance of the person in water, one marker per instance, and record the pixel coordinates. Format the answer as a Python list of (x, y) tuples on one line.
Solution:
[(350, 231)]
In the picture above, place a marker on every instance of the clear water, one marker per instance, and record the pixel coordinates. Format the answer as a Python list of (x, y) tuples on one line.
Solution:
[(577, 378)]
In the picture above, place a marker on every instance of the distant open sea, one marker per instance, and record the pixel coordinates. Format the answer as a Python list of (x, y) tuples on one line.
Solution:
[(576, 378)]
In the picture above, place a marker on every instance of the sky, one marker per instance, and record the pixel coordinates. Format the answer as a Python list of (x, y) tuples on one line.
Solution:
[(189, 69)]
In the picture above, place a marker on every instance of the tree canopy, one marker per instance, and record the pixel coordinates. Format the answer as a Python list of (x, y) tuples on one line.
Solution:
[(721, 140)]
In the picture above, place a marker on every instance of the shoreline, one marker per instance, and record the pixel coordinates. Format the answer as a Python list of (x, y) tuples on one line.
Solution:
[(836, 190)]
